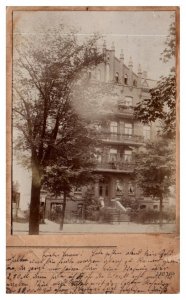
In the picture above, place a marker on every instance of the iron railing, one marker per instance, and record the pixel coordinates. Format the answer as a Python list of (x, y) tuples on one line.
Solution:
[(120, 137), (116, 165)]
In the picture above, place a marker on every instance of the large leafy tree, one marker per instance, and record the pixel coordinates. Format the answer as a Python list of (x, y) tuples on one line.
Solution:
[(161, 104), (155, 169), (44, 73), (72, 164), (155, 164)]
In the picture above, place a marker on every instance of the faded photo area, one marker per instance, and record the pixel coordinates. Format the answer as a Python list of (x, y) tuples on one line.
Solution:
[(93, 122)]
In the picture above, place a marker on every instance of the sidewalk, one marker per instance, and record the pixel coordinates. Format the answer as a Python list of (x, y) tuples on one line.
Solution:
[(126, 227)]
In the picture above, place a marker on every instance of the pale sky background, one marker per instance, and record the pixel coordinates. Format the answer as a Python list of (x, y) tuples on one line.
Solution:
[(141, 35)]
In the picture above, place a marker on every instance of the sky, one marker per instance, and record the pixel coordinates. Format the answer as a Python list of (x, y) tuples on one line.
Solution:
[(140, 34)]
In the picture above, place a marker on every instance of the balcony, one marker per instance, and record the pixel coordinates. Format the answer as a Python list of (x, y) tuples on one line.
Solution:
[(119, 138), (115, 167), (125, 110)]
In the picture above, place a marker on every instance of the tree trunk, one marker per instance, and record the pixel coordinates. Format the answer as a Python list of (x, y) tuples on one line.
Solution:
[(63, 212), (161, 211), (35, 199)]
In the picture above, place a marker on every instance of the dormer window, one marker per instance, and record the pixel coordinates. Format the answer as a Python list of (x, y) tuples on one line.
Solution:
[(125, 79), (128, 101)]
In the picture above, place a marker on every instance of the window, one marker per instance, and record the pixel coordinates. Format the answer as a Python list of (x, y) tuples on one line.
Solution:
[(146, 132), (107, 72), (130, 189), (128, 101), (122, 127), (119, 186), (128, 129), (155, 207), (114, 127), (98, 75), (126, 79), (78, 189), (128, 155), (98, 127), (89, 74), (117, 77), (134, 82), (142, 206), (113, 155), (100, 190), (98, 155)]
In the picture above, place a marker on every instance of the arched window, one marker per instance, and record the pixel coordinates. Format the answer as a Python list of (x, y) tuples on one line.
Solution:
[(130, 189), (117, 77), (119, 186), (126, 79)]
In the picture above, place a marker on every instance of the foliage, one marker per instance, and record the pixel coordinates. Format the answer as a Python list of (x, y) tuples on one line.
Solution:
[(72, 164), (44, 74), (49, 132), (155, 168), (170, 43), (161, 104), (90, 207), (152, 216)]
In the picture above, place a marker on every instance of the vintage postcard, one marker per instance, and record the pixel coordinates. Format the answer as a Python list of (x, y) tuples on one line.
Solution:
[(93, 150)]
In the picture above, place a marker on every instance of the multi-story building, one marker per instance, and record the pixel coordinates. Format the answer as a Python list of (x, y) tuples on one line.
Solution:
[(120, 134)]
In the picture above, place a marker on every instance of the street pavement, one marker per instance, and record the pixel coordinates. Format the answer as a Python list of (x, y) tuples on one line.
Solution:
[(126, 227)]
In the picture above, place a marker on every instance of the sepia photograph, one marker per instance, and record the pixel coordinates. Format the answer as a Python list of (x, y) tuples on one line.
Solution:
[(94, 122)]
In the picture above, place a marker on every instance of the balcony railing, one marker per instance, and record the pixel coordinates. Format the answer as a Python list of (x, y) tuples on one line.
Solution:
[(119, 137), (117, 166), (124, 109)]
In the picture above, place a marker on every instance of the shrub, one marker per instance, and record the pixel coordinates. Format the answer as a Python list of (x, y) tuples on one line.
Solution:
[(151, 216)]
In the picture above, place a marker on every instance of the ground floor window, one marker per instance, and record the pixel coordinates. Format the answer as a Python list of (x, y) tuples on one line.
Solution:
[(119, 186), (130, 189), (142, 206)]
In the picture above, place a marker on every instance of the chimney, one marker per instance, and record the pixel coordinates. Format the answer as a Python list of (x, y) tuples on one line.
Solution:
[(139, 75), (121, 66), (121, 56), (130, 65), (112, 62), (145, 75), (104, 46), (113, 47)]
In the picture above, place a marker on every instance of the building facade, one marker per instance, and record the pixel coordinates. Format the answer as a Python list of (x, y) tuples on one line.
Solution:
[(120, 134)]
